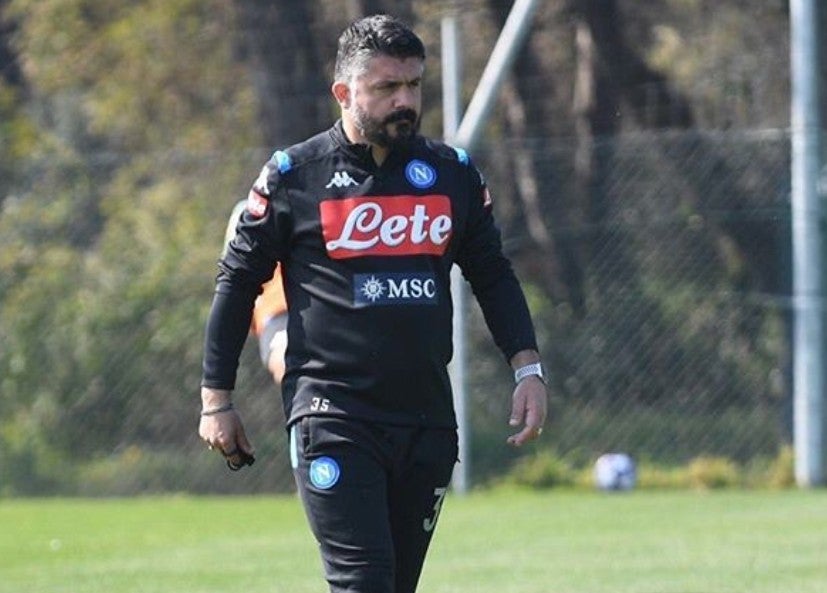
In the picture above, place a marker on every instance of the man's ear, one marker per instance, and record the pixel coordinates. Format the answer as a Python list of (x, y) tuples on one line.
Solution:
[(341, 91)]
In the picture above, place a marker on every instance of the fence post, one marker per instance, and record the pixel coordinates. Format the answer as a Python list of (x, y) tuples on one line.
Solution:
[(808, 310), (451, 112)]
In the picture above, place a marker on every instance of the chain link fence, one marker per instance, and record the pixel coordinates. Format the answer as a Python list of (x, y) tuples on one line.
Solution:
[(680, 348), (661, 299)]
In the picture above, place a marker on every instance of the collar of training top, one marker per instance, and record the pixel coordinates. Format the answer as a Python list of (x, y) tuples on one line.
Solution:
[(362, 151)]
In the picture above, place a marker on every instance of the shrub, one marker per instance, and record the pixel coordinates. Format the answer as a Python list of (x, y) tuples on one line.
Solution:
[(776, 472), (661, 477), (547, 470), (781, 473), (713, 473), (542, 470)]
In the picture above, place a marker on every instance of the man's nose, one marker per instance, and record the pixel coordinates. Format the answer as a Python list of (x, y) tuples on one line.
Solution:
[(405, 98)]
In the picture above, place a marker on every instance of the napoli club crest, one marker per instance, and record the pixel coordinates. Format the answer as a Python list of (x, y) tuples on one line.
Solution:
[(324, 473), (420, 174)]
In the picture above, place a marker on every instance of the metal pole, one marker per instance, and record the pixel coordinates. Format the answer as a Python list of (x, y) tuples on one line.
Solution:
[(465, 135), (808, 328), (509, 42), (451, 109)]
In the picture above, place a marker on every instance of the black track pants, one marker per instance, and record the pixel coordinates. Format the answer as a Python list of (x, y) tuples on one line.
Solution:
[(372, 494)]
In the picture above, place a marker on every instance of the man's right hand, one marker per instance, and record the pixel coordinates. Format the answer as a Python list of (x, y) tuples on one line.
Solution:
[(224, 430)]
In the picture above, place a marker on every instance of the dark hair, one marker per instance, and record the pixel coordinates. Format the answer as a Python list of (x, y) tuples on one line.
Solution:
[(379, 34)]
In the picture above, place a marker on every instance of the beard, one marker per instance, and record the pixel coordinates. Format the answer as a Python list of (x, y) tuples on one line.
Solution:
[(395, 130)]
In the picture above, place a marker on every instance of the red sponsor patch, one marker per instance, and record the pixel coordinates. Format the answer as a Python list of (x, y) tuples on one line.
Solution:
[(256, 204), (386, 225)]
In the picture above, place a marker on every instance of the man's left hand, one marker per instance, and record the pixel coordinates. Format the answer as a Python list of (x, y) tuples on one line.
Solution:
[(529, 408)]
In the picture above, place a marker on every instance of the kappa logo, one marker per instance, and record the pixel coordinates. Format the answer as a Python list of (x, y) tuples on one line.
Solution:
[(412, 288), (341, 179), (386, 225)]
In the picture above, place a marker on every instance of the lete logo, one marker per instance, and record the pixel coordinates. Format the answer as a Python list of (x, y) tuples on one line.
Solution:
[(386, 225)]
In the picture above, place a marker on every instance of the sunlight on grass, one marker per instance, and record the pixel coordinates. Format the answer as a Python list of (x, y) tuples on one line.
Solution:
[(502, 541)]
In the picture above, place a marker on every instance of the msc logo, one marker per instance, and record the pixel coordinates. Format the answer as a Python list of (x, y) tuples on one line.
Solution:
[(414, 288)]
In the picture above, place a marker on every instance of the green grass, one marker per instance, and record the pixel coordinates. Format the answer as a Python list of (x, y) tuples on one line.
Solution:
[(503, 541)]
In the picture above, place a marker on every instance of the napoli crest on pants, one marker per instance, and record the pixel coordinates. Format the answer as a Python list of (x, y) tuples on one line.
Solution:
[(324, 472)]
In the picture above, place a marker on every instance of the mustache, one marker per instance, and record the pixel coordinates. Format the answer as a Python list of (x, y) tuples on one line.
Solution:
[(408, 115)]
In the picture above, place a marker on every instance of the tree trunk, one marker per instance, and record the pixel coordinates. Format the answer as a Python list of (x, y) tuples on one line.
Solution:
[(9, 69), (622, 76), (288, 73), (539, 191)]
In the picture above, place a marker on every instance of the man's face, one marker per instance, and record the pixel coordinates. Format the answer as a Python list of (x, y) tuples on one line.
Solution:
[(386, 100)]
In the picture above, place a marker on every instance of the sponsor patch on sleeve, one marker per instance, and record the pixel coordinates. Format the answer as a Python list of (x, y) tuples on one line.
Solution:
[(260, 184), (256, 204)]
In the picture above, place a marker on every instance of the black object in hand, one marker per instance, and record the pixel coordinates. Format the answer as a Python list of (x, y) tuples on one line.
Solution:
[(246, 459)]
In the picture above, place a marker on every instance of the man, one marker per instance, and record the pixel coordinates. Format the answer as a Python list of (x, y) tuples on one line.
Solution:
[(366, 220), (269, 323)]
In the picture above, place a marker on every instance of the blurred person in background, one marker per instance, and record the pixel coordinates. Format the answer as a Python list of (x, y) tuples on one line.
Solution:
[(269, 322), (365, 220)]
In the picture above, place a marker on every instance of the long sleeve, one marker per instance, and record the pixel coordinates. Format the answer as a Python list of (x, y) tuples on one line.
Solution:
[(492, 278)]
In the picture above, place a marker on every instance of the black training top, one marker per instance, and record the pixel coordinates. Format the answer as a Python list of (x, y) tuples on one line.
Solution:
[(366, 252)]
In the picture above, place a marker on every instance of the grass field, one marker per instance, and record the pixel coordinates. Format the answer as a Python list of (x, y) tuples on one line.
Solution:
[(492, 542)]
